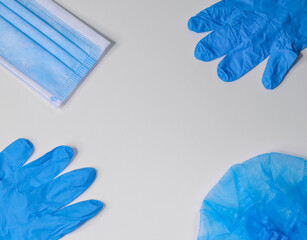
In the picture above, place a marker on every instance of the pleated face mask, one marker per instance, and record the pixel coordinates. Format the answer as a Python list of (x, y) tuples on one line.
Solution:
[(47, 47)]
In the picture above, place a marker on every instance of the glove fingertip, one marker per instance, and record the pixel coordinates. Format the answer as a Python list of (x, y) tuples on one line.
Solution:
[(280, 62), (97, 204), (193, 24), (65, 151), (84, 176), (271, 77), (86, 210), (91, 172), (17, 153), (81, 177), (81, 211), (201, 52), (268, 84), (73, 216), (200, 25), (26, 143), (223, 75), (91, 208)]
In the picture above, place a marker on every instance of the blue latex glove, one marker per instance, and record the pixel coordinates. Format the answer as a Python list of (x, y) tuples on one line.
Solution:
[(248, 31), (32, 201), (265, 198)]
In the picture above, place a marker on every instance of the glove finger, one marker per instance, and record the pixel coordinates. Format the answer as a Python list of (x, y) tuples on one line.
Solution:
[(217, 43), (63, 190), (64, 221), (227, 37), (209, 19), (242, 59), (44, 169), (251, 52), (278, 65), (69, 218), (14, 156)]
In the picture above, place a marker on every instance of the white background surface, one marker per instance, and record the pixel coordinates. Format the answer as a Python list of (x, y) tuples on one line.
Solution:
[(157, 124)]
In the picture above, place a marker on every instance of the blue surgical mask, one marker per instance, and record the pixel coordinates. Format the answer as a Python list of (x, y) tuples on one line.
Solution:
[(47, 47)]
